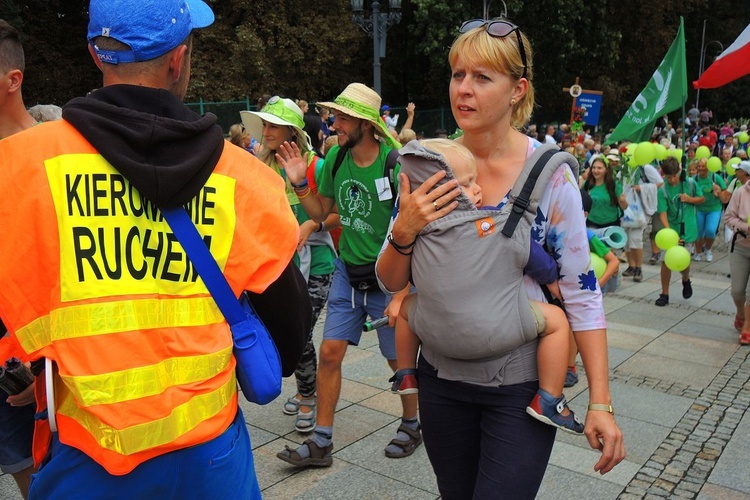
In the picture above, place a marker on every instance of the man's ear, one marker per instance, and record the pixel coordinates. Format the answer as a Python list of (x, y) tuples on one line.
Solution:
[(176, 61), (15, 78), (97, 61)]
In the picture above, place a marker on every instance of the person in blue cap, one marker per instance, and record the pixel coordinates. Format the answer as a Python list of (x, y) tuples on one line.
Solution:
[(390, 121), (142, 398)]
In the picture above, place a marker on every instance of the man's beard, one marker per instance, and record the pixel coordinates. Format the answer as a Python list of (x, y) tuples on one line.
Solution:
[(353, 138)]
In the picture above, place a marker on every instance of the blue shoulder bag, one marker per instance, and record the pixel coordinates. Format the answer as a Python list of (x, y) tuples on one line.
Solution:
[(258, 361)]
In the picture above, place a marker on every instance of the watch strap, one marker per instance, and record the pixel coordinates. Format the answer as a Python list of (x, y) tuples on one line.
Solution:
[(601, 407)]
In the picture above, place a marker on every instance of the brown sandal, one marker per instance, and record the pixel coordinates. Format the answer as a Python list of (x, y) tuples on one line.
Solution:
[(319, 457), (408, 446)]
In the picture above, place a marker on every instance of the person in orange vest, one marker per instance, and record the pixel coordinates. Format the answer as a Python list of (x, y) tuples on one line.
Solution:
[(140, 375), (16, 410)]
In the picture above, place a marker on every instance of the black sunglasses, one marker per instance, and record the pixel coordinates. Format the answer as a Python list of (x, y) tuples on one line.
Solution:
[(499, 29)]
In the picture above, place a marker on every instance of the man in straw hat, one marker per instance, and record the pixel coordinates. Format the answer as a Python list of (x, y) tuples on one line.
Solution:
[(143, 399), (362, 192)]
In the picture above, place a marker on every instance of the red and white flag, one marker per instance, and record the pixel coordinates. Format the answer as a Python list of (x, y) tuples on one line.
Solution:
[(732, 64)]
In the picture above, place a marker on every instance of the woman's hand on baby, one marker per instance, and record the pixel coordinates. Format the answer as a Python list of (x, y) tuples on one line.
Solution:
[(290, 159), (424, 205)]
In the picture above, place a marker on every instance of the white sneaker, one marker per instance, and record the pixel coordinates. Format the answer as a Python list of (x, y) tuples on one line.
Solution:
[(697, 257), (709, 256)]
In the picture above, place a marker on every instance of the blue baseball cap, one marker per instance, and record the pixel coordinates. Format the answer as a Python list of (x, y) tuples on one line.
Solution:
[(385, 108), (151, 28)]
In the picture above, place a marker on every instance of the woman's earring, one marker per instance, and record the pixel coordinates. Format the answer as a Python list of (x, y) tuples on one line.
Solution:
[(513, 102)]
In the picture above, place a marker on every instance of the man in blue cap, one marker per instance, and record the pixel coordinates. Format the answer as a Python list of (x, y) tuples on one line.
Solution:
[(141, 393)]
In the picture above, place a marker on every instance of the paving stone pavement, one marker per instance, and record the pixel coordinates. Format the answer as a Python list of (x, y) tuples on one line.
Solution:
[(680, 390)]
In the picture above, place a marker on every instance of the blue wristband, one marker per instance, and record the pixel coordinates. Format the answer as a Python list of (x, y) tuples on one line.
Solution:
[(302, 185)]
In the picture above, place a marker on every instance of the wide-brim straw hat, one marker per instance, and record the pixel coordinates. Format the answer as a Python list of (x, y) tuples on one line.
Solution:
[(360, 101), (279, 111)]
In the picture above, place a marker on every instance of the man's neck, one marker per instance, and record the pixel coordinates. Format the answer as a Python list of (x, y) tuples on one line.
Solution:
[(14, 118), (366, 152)]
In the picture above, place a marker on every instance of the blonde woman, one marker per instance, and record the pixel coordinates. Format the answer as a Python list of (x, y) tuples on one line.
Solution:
[(478, 437)]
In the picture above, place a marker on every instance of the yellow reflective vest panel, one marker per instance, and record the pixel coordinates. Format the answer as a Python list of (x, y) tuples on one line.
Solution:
[(93, 278)]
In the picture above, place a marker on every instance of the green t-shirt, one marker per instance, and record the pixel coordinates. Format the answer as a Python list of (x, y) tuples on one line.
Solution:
[(678, 211), (603, 212), (365, 202), (597, 247), (704, 186)]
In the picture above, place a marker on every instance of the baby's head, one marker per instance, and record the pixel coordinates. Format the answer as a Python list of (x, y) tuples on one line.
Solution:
[(462, 162)]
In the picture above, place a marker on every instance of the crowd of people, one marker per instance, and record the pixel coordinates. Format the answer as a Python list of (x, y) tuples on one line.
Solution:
[(340, 206), (678, 192)]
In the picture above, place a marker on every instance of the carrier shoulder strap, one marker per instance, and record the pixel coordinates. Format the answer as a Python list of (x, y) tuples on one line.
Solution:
[(533, 180), (388, 169)]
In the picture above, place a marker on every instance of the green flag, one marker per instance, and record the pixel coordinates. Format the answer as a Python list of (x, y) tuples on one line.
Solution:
[(665, 92)]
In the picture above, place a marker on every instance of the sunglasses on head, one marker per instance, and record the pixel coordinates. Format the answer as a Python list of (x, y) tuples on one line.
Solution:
[(498, 29)]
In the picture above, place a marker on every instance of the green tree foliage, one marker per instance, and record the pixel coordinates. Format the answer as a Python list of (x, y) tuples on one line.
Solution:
[(311, 49), (294, 48)]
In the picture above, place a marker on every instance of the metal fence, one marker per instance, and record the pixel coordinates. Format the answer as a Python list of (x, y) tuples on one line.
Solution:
[(426, 122)]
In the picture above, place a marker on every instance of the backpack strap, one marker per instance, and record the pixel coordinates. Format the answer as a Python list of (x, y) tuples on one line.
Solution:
[(339, 160), (533, 180), (644, 177)]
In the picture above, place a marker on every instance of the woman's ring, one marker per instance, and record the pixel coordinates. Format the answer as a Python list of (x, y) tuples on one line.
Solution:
[(434, 204)]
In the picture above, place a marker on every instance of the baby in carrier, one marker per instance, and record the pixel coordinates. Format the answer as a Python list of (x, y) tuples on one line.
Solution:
[(548, 405)]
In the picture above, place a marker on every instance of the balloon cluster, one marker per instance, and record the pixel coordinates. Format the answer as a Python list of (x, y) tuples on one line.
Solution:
[(645, 152), (676, 257)]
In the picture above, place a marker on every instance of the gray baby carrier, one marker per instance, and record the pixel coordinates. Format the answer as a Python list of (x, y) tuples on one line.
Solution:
[(471, 307)]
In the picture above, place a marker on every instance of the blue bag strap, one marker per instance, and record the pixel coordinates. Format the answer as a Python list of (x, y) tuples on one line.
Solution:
[(190, 239)]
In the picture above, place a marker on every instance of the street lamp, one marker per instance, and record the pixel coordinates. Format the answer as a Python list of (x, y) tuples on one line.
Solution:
[(703, 61), (376, 25)]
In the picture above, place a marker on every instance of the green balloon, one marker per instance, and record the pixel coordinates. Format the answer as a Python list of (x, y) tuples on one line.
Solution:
[(730, 169), (702, 152), (661, 152), (677, 258), (644, 153), (598, 264), (676, 154), (713, 164), (743, 137), (666, 238)]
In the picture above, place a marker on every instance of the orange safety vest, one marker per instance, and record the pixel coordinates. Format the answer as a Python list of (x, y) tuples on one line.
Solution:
[(93, 279)]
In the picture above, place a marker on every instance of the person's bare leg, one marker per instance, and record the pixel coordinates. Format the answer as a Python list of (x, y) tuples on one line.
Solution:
[(666, 275), (552, 352), (331, 355), (746, 325), (407, 342), (699, 246), (637, 254)]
